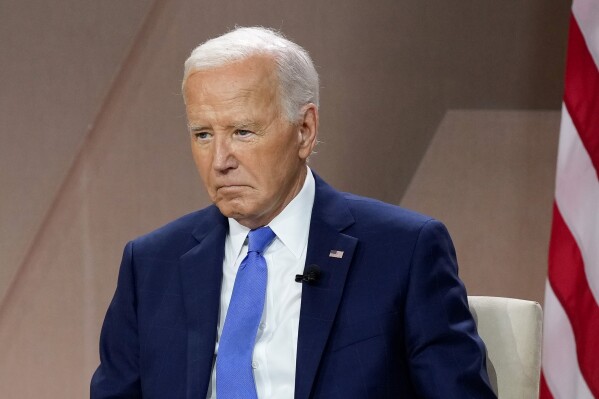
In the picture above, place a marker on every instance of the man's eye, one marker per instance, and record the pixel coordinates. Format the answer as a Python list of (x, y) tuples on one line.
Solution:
[(201, 135), (243, 133)]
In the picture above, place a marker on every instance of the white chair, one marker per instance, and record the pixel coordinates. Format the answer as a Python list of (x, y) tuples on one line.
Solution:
[(511, 329)]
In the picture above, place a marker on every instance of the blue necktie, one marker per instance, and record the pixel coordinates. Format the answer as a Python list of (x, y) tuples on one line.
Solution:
[(234, 375)]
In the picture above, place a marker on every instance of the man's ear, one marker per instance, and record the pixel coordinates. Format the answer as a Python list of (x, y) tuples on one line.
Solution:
[(307, 130)]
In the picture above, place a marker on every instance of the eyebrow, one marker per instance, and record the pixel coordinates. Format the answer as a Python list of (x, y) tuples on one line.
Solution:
[(244, 125), (239, 125), (196, 128)]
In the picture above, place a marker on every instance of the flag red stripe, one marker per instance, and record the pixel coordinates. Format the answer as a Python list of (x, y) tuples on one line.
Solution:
[(544, 392), (582, 92), (568, 280)]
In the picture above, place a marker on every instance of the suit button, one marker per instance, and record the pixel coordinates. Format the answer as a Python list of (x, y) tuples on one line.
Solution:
[(254, 364)]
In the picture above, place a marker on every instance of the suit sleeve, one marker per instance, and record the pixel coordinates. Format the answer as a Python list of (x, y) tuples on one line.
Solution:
[(118, 373), (445, 354)]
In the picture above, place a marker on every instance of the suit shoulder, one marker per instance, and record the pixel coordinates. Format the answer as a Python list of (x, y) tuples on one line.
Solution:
[(383, 225), (376, 213), (177, 235), (371, 207)]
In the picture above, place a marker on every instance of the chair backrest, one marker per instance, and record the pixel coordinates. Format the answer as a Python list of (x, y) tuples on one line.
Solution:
[(511, 329)]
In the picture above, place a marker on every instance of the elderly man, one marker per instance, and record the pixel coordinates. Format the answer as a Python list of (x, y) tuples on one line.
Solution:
[(284, 288)]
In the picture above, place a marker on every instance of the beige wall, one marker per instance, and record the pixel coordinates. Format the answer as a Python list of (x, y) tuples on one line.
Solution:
[(489, 176), (93, 146)]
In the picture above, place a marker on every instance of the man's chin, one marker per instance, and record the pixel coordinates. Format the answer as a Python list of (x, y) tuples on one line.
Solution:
[(241, 214), (231, 209)]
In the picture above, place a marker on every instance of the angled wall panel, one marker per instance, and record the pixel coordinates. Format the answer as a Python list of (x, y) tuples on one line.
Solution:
[(489, 175), (57, 62)]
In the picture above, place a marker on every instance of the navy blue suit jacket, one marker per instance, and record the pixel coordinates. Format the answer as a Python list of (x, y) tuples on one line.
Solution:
[(389, 319)]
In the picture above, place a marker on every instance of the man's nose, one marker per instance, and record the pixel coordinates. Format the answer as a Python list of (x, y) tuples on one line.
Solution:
[(224, 158)]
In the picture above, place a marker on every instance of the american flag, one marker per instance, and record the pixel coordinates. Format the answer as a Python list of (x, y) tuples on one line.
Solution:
[(571, 327)]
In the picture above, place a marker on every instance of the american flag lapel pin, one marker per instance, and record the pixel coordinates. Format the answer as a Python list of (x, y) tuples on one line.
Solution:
[(336, 254)]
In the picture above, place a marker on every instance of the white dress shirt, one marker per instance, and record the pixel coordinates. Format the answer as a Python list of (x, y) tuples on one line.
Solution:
[(275, 351)]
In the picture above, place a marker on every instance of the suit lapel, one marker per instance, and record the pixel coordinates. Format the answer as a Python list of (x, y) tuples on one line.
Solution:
[(201, 276), (320, 300)]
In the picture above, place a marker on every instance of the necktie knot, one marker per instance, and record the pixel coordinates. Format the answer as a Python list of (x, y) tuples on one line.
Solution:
[(259, 239)]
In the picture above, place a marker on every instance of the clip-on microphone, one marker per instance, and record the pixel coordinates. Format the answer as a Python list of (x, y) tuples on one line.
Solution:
[(311, 275)]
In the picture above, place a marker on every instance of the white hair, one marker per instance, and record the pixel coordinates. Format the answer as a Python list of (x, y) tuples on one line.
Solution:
[(298, 79)]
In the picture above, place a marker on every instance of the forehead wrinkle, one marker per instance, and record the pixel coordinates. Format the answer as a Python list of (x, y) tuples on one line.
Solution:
[(243, 107), (225, 99), (228, 118)]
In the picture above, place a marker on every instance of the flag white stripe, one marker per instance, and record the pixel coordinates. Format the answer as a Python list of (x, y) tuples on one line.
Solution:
[(577, 197), (586, 13), (560, 364)]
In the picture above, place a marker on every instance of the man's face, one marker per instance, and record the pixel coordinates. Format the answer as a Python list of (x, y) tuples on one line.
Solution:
[(249, 156)]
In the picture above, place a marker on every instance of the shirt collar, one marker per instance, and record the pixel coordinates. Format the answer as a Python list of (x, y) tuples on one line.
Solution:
[(291, 226)]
